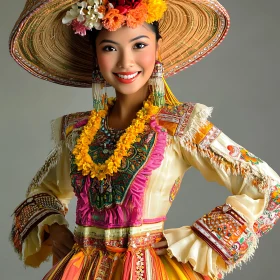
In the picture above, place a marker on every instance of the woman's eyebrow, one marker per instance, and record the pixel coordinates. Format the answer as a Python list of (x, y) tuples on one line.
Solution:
[(139, 37), (113, 42)]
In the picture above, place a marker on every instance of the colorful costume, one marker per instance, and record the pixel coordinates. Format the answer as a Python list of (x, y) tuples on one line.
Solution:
[(119, 218), (124, 188)]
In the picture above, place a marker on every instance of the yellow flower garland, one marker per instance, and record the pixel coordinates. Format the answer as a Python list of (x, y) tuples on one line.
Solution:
[(83, 159)]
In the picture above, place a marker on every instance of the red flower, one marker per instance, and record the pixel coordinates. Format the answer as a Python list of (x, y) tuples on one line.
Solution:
[(124, 6)]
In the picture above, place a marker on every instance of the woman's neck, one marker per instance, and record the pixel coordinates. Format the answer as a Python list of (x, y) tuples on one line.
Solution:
[(125, 108)]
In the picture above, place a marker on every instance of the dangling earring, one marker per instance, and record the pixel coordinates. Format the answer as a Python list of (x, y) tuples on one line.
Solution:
[(156, 84), (99, 94)]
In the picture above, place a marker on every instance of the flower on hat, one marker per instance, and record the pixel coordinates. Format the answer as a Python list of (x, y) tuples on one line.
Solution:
[(112, 14), (71, 15), (79, 27), (137, 16), (156, 9), (113, 20)]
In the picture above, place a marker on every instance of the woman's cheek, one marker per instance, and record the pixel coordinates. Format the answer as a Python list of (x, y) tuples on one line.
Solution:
[(148, 61), (105, 63)]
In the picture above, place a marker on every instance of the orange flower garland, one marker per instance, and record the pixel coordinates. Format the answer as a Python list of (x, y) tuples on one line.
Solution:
[(100, 171)]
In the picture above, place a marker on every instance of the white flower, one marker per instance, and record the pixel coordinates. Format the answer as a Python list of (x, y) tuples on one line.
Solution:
[(86, 11), (95, 2), (83, 6), (71, 15), (90, 2), (93, 21)]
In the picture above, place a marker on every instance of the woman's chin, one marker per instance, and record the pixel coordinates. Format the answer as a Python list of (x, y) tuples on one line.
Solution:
[(128, 89)]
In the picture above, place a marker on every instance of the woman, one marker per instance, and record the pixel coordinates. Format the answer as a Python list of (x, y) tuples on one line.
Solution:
[(125, 159)]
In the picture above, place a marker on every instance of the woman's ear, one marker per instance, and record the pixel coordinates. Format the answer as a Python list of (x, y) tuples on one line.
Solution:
[(158, 52)]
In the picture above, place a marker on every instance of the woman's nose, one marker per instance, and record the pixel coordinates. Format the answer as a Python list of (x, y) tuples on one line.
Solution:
[(125, 61)]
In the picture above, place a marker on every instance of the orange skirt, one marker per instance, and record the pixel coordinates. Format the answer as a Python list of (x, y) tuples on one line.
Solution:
[(131, 264)]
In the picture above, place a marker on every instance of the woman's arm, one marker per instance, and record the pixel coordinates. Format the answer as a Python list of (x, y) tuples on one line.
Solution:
[(227, 235), (46, 204)]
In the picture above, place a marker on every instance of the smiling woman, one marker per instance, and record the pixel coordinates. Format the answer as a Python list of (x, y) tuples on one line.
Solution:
[(125, 52), (125, 159)]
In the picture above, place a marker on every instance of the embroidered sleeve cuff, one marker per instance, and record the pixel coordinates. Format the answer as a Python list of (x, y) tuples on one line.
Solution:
[(30, 213), (226, 231)]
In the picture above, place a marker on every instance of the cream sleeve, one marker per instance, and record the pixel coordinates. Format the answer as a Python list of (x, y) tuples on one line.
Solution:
[(228, 235), (46, 203)]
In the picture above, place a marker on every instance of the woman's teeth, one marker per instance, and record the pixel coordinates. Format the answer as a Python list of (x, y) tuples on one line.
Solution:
[(127, 76)]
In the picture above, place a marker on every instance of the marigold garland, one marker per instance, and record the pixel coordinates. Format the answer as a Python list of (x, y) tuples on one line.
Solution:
[(84, 161)]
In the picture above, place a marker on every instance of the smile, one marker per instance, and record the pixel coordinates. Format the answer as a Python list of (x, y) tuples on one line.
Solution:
[(127, 77)]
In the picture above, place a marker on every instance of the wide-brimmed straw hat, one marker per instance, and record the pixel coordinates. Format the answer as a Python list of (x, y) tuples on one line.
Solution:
[(50, 50)]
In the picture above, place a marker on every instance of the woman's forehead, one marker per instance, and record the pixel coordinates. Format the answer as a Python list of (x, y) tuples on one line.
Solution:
[(126, 34)]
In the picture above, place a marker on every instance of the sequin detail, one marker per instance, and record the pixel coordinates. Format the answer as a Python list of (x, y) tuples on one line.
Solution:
[(226, 231)]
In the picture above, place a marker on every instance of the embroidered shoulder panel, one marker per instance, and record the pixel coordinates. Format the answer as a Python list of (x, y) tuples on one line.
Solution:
[(71, 121), (176, 118)]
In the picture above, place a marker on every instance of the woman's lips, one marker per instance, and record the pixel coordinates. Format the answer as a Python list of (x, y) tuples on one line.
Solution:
[(127, 81)]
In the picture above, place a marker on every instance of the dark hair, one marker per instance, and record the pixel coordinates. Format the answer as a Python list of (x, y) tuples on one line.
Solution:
[(92, 34)]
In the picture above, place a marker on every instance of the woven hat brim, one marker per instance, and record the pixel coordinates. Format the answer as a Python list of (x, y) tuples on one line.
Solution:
[(50, 50)]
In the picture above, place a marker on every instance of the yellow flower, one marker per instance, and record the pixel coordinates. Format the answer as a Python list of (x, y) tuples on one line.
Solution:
[(156, 9)]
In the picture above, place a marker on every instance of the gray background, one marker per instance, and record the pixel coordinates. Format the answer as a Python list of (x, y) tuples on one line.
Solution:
[(240, 80)]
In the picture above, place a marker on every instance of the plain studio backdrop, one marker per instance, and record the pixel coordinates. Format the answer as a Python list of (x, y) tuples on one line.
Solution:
[(240, 79)]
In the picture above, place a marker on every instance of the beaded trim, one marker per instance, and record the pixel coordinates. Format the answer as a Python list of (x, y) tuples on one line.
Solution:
[(226, 231), (30, 213), (50, 162)]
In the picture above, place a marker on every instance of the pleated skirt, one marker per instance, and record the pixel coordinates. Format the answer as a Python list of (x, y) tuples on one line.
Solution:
[(120, 254), (133, 264)]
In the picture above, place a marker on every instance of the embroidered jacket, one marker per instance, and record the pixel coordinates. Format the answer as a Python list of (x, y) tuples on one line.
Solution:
[(143, 190)]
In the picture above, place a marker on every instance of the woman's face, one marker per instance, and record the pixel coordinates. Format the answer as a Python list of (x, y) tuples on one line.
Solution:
[(126, 57)]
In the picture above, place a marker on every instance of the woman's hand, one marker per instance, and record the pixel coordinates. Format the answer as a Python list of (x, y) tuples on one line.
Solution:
[(160, 247), (62, 240)]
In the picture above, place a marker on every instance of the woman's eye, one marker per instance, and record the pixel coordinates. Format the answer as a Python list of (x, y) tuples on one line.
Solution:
[(108, 49), (140, 46)]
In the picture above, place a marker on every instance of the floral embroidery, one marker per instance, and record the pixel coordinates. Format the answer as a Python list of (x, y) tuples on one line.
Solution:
[(71, 121), (271, 214), (175, 189), (244, 154), (176, 118), (226, 232)]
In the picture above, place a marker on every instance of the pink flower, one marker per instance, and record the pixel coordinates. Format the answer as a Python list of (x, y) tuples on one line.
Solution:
[(79, 27)]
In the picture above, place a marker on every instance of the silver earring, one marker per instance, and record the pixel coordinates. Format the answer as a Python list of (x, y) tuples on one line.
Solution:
[(156, 84)]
